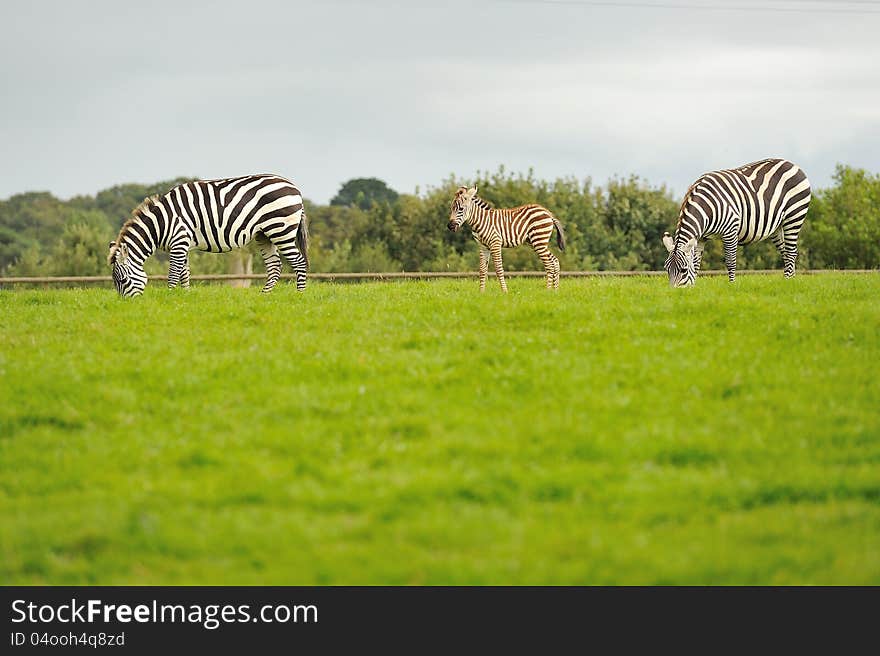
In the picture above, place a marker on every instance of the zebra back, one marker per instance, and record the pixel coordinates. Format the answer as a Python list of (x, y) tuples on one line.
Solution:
[(531, 223), (752, 201)]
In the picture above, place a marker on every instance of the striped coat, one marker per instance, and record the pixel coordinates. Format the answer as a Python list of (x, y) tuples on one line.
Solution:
[(767, 198), (214, 216), (495, 229)]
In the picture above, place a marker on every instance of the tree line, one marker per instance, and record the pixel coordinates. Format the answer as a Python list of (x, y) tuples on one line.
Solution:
[(368, 226)]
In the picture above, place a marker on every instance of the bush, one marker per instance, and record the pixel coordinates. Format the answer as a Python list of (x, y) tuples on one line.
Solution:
[(615, 227)]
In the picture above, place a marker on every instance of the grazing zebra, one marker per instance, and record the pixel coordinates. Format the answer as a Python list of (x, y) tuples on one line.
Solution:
[(768, 198), (496, 229), (214, 216)]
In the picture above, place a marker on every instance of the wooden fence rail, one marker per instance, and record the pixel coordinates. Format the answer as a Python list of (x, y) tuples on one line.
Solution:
[(413, 275)]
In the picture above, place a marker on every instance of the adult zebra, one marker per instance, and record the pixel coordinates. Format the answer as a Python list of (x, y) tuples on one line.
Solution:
[(214, 216), (504, 228), (767, 198)]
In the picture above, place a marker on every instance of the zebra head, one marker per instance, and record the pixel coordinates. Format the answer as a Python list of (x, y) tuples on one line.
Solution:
[(680, 263), (462, 205), (128, 277)]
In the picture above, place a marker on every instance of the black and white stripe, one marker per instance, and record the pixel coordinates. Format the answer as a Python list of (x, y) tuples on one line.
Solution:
[(768, 198), (214, 216), (504, 228)]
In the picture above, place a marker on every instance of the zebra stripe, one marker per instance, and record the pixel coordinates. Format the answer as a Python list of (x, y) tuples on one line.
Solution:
[(495, 229), (767, 198), (214, 216)]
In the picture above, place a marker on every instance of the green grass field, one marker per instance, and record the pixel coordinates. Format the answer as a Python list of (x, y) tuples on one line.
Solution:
[(615, 432)]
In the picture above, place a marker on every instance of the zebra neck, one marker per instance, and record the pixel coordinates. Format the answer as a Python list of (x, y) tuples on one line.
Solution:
[(158, 223), (690, 228), (482, 212), (137, 252), (140, 239)]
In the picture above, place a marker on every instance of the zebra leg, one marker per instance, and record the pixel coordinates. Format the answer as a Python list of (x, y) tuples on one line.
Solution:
[(556, 270), (790, 256), (297, 262), (184, 274), (783, 248), (730, 243), (484, 268), (698, 257), (791, 228), (272, 260), (178, 268), (789, 252), (779, 242), (499, 269), (547, 260)]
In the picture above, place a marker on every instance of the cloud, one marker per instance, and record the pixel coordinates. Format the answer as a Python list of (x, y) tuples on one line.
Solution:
[(410, 92)]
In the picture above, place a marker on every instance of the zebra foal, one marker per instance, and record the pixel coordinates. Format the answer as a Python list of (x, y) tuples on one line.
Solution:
[(494, 229), (767, 198), (214, 216)]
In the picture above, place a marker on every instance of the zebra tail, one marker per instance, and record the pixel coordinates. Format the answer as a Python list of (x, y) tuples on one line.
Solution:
[(302, 237), (560, 234)]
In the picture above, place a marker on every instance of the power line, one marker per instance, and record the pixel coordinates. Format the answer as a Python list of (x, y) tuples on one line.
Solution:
[(703, 7)]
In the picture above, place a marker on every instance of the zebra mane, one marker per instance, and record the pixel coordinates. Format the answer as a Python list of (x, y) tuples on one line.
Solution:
[(751, 165), (479, 202), (146, 203), (684, 202)]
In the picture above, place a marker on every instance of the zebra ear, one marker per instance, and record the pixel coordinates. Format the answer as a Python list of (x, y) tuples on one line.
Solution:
[(667, 241), (689, 246)]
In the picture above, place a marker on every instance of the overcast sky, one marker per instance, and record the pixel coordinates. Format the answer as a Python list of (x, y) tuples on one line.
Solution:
[(101, 93)]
